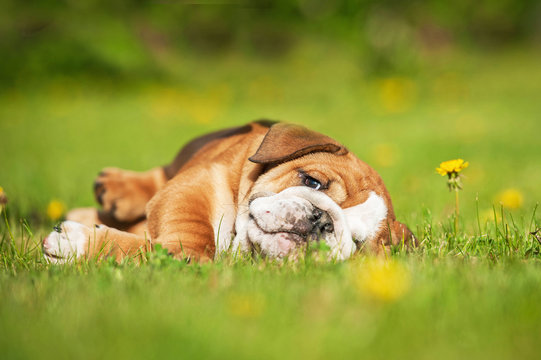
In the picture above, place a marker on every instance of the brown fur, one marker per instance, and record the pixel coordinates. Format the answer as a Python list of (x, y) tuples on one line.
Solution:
[(217, 175)]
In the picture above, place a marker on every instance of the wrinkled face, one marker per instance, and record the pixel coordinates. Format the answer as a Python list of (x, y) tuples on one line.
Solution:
[(318, 197), (280, 223)]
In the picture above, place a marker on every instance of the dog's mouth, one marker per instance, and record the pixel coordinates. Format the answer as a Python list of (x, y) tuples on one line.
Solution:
[(284, 240), (314, 228), (280, 242)]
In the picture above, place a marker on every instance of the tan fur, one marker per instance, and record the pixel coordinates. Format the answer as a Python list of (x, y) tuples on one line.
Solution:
[(216, 183), (124, 194)]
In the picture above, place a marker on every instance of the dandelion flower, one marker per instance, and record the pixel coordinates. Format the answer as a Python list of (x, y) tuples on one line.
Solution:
[(452, 167), (55, 210), (384, 280), (510, 198)]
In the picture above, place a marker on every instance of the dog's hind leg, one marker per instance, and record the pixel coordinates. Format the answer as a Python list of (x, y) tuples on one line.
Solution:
[(71, 241), (124, 194)]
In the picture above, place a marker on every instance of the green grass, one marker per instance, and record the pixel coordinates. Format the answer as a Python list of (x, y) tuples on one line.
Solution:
[(473, 295), (472, 305)]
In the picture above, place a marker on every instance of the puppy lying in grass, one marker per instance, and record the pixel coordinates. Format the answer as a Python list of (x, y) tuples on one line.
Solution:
[(265, 187)]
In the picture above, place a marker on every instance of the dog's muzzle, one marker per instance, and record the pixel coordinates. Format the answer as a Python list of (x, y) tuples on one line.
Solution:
[(280, 223), (308, 226)]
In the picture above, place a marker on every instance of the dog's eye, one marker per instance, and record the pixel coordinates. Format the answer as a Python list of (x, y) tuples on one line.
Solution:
[(312, 183)]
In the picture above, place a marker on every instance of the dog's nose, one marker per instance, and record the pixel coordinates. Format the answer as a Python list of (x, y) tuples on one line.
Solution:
[(316, 214), (321, 221)]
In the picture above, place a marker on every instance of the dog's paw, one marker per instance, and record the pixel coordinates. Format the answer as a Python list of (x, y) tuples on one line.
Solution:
[(69, 241), (123, 194)]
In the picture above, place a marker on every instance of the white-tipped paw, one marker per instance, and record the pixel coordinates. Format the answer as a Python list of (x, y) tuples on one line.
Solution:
[(68, 242)]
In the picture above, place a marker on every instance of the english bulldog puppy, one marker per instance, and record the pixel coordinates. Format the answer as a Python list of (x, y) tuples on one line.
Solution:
[(266, 187)]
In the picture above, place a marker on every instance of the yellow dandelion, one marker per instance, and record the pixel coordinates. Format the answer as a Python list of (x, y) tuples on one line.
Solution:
[(452, 166), (510, 198), (55, 210), (384, 280)]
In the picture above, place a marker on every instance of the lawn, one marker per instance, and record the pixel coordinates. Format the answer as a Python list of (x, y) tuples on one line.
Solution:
[(474, 294)]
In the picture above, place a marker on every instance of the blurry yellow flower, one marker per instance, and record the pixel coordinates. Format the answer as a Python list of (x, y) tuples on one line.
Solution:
[(385, 280), (3, 199), (55, 210), (245, 306), (452, 166), (510, 198), (397, 94)]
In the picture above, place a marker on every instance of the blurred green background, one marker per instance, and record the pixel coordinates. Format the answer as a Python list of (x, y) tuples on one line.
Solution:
[(405, 85)]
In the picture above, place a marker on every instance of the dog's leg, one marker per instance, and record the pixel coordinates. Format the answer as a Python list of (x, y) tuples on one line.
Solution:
[(71, 241), (124, 194), (193, 246)]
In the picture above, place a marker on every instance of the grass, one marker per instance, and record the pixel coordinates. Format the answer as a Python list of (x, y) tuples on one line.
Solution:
[(480, 302), (475, 294)]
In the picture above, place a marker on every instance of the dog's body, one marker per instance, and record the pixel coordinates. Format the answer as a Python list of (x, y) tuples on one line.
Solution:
[(263, 186)]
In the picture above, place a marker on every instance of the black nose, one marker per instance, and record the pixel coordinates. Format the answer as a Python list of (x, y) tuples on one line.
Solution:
[(321, 222), (316, 214)]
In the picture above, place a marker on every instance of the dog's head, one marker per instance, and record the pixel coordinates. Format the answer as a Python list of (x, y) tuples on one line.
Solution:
[(313, 189)]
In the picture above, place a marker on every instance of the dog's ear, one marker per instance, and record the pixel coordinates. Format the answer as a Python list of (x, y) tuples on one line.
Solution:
[(285, 142)]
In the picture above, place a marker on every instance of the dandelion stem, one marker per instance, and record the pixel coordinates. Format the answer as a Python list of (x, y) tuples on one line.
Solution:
[(456, 211)]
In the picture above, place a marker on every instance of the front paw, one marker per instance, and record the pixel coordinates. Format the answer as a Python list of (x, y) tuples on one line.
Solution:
[(123, 194), (67, 243)]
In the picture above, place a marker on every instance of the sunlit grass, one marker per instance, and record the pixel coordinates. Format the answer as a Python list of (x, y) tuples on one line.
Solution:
[(472, 295)]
